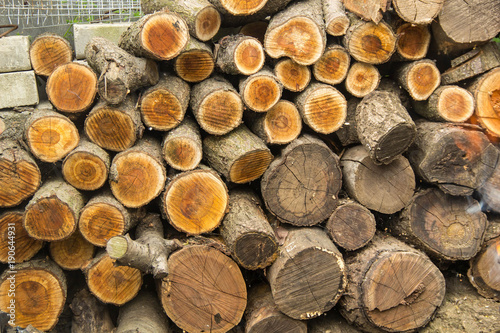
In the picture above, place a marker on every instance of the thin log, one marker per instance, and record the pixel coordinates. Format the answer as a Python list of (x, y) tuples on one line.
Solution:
[(71, 253), (14, 236), (261, 91), (49, 51), (196, 61), (239, 55), (293, 76), (333, 65), (362, 79), (182, 146), (336, 20), (420, 78), (413, 42)]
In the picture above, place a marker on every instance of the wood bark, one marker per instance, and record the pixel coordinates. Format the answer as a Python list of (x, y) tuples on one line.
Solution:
[(413, 42), (239, 54), (369, 42), (12, 124), (362, 79), (322, 107), (390, 85), (490, 189), (216, 105), (86, 167), (182, 146), (392, 287), (110, 283), (138, 174), (40, 293), (49, 51), (247, 232), (448, 103), (458, 159), (368, 10), (72, 87), (104, 217), (89, 315), (336, 20), (280, 125), (158, 36), (13, 235), (445, 227), (351, 225), (301, 185), (293, 76), (261, 91), (73, 252), (50, 136), (148, 252), (164, 105), (384, 126), (240, 156), (196, 62), (347, 133), (114, 127), (262, 314), (333, 65), (20, 176), (420, 78), (201, 17), (486, 91), (418, 11), (382, 188), (484, 270), (215, 303), (196, 201), (52, 214), (308, 277), (289, 30), (120, 73)]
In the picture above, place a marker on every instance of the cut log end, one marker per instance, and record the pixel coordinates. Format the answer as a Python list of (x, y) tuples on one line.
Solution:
[(26, 247), (413, 41), (484, 271), (455, 104), (49, 51), (333, 65), (338, 26), (99, 222), (250, 166), (282, 124), (194, 65), (418, 11), (207, 23), (116, 247), (487, 95), (220, 112), (262, 92), (72, 253), (182, 153), (72, 88), (420, 78), (362, 79), (85, 171), (240, 8), (161, 110), (249, 56), (371, 43), (293, 76), (324, 109)]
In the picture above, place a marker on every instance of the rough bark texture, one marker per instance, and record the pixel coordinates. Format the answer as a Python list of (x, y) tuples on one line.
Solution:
[(247, 232), (49, 51), (347, 133), (301, 185), (114, 128), (120, 73), (458, 159), (89, 315), (71, 253), (369, 10), (362, 79), (214, 303), (12, 124), (384, 126), (261, 91), (490, 189), (148, 252), (420, 78), (333, 65), (418, 11), (484, 271), (308, 277), (486, 91), (336, 20), (392, 287), (196, 62), (383, 188), (164, 105), (239, 54), (413, 42), (182, 146), (12, 232), (293, 76), (52, 214), (240, 155)]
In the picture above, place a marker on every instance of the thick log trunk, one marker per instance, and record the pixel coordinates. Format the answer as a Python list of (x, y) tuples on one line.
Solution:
[(36, 290), (484, 270), (351, 225), (262, 314), (14, 236), (71, 253), (114, 128), (20, 176), (72, 87), (239, 55), (164, 105), (201, 17), (362, 79), (50, 136), (86, 167), (196, 62), (443, 226), (104, 217), (293, 76), (458, 159), (301, 185), (336, 20), (215, 303), (418, 11), (49, 51), (413, 42), (392, 287), (383, 188), (110, 283), (289, 30), (308, 277), (420, 78), (240, 156), (369, 10), (159, 36), (216, 105), (384, 126), (120, 73), (247, 232), (322, 107), (89, 315), (196, 201), (182, 146), (486, 91), (149, 252), (333, 65), (53, 212), (261, 91)]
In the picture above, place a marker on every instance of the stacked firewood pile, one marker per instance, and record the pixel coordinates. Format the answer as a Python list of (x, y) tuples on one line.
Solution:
[(249, 165)]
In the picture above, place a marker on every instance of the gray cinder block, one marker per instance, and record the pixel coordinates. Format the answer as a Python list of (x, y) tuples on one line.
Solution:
[(18, 89), (83, 33), (14, 54)]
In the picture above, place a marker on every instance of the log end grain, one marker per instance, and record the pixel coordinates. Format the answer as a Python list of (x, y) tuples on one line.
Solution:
[(293, 76), (100, 221), (220, 112), (362, 79), (484, 271), (420, 78), (72, 253), (333, 65), (413, 42), (455, 104), (49, 51), (161, 110), (261, 92), (182, 153), (282, 123), (26, 247), (249, 56), (194, 65), (242, 8), (487, 94), (207, 23), (85, 171), (371, 43)]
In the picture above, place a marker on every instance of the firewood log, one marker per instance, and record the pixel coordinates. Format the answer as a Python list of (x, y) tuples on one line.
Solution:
[(238, 8), (413, 42), (486, 90), (362, 79), (49, 51), (347, 133), (261, 91), (73, 252), (490, 189), (368, 10), (333, 65), (15, 236), (293, 76), (89, 315), (239, 55), (39, 293), (418, 11), (420, 78), (182, 146), (484, 271), (301, 185), (336, 20), (392, 287), (196, 61)]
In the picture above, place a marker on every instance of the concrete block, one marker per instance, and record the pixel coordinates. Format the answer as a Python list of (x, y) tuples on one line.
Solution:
[(14, 54), (18, 89), (83, 33)]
